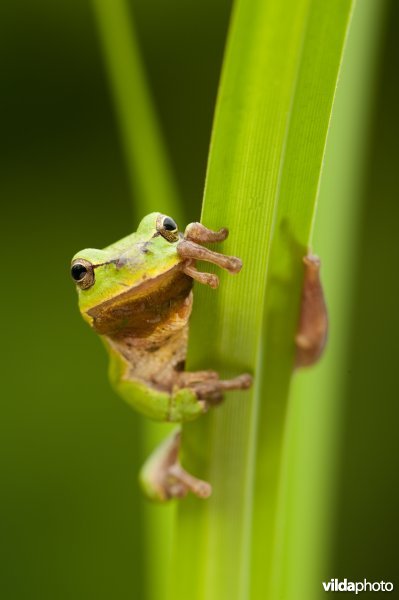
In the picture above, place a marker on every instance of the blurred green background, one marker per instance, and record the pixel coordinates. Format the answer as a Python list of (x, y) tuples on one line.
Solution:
[(71, 512), (367, 523)]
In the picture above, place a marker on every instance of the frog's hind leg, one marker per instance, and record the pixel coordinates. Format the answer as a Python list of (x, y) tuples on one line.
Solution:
[(209, 388), (162, 476)]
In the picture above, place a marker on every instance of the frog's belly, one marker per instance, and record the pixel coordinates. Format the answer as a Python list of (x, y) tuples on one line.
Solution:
[(156, 360)]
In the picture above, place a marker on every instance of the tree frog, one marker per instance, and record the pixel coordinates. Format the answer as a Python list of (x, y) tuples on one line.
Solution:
[(137, 295)]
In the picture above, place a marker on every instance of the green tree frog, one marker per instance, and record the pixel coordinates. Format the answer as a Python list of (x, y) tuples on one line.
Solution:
[(137, 295)]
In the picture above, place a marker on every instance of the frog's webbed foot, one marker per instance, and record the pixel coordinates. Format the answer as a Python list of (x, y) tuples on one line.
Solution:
[(209, 388), (190, 248), (162, 477), (313, 322)]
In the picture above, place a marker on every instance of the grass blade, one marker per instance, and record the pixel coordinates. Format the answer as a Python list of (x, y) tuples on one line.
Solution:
[(153, 189), (144, 146), (269, 136), (315, 424)]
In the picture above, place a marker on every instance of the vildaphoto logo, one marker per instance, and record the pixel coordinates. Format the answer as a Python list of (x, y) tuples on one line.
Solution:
[(335, 585)]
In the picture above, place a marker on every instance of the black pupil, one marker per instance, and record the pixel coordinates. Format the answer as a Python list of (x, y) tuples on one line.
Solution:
[(78, 272), (169, 224)]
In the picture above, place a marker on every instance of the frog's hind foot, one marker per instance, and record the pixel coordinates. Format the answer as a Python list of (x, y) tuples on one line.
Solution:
[(181, 482), (162, 476), (209, 388)]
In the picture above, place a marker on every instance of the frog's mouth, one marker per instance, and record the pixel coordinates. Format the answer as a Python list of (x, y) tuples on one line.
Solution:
[(139, 310)]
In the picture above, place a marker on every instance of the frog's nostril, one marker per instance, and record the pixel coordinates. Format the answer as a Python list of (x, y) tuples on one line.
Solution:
[(78, 271)]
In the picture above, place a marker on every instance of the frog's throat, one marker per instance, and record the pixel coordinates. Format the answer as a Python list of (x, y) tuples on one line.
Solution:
[(140, 310)]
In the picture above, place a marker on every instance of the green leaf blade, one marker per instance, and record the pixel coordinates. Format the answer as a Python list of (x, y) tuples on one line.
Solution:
[(149, 170), (153, 188), (262, 182)]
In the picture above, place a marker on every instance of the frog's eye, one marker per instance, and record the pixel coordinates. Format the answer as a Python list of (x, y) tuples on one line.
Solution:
[(169, 224), (167, 227), (82, 273)]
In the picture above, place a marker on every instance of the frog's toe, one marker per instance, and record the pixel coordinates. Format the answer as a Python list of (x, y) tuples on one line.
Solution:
[(196, 232), (212, 390), (175, 490), (187, 482), (242, 382), (193, 378)]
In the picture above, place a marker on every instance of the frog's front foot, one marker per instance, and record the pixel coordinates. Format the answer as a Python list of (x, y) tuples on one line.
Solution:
[(312, 330), (190, 249), (162, 477)]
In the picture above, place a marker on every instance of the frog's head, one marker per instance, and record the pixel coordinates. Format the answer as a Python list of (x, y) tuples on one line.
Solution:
[(153, 265), (130, 265)]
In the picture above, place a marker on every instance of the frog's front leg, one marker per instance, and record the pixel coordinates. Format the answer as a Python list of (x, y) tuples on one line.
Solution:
[(162, 476), (312, 329)]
